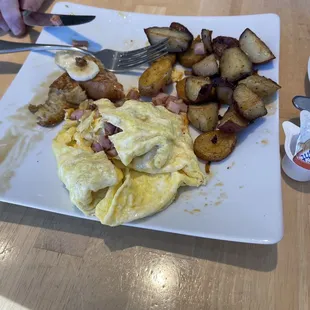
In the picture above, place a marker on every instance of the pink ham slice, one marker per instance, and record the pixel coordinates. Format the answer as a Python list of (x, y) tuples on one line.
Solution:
[(172, 103), (76, 115)]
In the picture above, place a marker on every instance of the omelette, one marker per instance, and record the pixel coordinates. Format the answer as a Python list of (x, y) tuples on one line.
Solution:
[(153, 156)]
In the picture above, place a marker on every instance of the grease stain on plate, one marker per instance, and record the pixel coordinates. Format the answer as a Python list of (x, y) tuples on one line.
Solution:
[(194, 211), (22, 136)]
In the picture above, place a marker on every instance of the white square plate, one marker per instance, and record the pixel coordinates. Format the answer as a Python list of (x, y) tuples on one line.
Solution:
[(242, 202)]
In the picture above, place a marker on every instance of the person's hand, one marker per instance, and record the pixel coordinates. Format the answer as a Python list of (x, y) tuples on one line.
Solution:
[(11, 17)]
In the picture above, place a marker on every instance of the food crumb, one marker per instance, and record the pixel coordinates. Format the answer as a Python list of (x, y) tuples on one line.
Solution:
[(217, 203), (241, 186), (231, 165), (177, 75), (192, 211), (206, 204), (66, 5), (219, 184), (264, 141), (207, 167), (223, 196)]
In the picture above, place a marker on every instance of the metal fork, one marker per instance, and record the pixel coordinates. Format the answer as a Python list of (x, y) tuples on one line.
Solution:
[(113, 60)]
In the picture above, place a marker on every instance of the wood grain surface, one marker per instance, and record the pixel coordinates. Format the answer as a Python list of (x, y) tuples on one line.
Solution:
[(49, 261)]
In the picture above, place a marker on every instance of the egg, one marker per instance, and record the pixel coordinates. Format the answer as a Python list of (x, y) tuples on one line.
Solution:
[(155, 158)]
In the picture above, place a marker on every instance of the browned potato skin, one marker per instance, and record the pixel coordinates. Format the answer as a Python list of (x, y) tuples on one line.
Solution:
[(171, 56), (155, 78), (257, 51), (232, 121), (249, 105), (221, 43), (206, 36), (214, 145), (189, 58), (180, 87), (260, 85), (182, 28), (203, 117), (199, 89), (206, 67), (234, 64)]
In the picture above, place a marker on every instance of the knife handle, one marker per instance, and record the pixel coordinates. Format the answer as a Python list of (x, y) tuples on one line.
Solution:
[(7, 47)]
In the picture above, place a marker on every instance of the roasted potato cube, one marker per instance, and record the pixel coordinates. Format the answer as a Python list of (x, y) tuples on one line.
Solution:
[(181, 91), (214, 145), (260, 85), (155, 78), (198, 89), (206, 36), (249, 105), (206, 67), (232, 121), (189, 58), (220, 44), (203, 117), (178, 41), (171, 56), (257, 51), (234, 64)]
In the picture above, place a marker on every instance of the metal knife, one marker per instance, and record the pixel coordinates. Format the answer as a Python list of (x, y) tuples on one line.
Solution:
[(43, 19)]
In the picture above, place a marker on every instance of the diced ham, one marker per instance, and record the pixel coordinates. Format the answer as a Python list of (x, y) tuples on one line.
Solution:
[(182, 105), (96, 147), (77, 114), (112, 152), (133, 94), (105, 142), (199, 49), (117, 130), (160, 99), (173, 107), (109, 129)]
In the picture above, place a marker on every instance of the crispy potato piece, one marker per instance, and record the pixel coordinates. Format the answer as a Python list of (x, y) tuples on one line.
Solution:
[(249, 105), (260, 85), (224, 90), (155, 78), (220, 44), (257, 51), (171, 56), (189, 58), (232, 121), (182, 28), (178, 41), (104, 85), (224, 94), (52, 112), (206, 36), (214, 145), (181, 91), (206, 67), (198, 89), (203, 117), (234, 64)]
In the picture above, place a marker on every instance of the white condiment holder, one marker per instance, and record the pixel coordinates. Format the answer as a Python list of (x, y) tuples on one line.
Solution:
[(291, 169)]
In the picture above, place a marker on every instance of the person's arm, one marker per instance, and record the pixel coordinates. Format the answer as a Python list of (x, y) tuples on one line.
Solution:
[(11, 17)]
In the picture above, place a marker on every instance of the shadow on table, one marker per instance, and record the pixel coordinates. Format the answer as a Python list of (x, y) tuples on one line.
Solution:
[(307, 85), (249, 256), (8, 67)]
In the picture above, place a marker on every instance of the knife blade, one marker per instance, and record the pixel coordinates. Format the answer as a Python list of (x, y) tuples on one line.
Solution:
[(44, 19)]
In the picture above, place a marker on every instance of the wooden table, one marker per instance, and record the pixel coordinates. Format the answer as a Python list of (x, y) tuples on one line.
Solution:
[(49, 261)]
